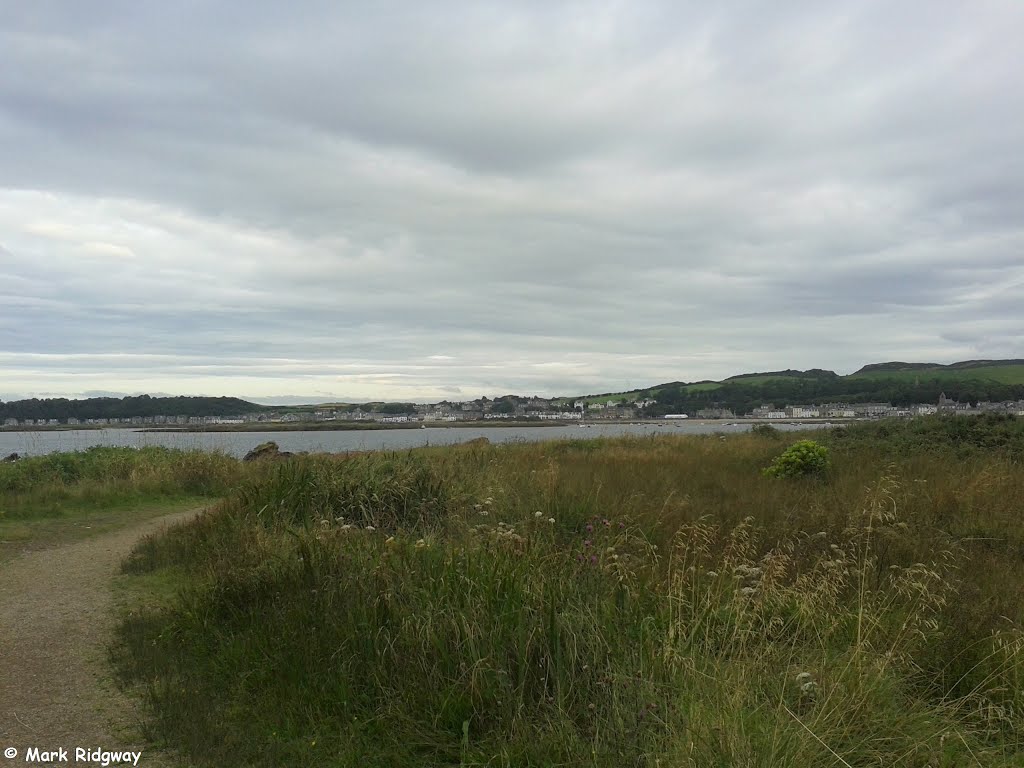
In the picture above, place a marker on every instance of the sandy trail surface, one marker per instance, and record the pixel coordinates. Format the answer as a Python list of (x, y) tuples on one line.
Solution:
[(57, 615)]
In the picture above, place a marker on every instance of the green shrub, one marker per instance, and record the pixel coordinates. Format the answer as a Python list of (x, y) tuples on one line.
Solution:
[(802, 458)]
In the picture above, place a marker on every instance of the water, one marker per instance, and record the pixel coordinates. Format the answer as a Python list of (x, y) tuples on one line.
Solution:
[(239, 443)]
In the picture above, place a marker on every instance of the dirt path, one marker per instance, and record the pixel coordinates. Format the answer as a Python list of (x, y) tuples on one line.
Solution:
[(57, 614)]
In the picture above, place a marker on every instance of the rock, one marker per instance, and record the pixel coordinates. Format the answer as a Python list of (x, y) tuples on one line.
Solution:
[(478, 441), (11, 457), (267, 450)]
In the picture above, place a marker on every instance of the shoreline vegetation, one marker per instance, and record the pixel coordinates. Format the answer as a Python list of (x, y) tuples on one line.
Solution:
[(841, 596)]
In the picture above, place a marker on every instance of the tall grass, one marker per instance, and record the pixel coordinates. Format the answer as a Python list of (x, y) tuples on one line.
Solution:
[(99, 477), (613, 602)]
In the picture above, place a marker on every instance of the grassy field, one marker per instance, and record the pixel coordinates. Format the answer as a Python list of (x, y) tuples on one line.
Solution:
[(645, 602)]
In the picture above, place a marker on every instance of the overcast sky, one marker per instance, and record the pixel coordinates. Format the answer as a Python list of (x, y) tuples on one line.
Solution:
[(389, 200)]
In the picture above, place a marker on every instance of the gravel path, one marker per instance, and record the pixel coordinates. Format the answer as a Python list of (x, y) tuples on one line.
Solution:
[(57, 615)]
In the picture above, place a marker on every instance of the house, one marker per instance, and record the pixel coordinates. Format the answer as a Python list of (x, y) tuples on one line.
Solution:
[(874, 410), (803, 412)]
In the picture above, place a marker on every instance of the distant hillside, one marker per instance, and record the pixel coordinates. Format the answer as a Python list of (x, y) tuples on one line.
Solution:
[(894, 367), (1003, 371), (126, 407), (895, 382), (813, 373)]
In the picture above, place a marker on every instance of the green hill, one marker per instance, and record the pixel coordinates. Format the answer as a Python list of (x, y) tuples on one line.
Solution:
[(1003, 371), (896, 382)]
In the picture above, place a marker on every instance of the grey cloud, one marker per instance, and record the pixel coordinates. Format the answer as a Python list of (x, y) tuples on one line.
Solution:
[(671, 191)]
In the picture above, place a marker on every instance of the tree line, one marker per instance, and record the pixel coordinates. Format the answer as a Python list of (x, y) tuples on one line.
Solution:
[(62, 408)]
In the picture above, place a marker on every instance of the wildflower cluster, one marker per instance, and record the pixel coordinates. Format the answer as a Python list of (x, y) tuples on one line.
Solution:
[(598, 539), (484, 509)]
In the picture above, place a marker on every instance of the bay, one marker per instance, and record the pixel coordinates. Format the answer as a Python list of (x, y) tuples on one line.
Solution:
[(35, 443)]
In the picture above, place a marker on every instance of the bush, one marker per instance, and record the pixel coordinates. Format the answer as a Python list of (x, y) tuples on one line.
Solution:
[(765, 430), (803, 458)]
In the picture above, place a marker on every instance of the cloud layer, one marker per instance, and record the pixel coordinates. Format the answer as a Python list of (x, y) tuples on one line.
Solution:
[(339, 200)]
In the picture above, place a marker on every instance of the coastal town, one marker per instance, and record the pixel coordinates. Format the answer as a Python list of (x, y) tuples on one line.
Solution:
[(533, 409)]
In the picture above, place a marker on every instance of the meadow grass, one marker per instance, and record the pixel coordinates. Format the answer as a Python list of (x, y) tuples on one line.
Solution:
[(634, 601), (101, 478)]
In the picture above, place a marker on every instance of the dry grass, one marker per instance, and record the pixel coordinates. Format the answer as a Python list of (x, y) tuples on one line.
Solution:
[(615, 602)]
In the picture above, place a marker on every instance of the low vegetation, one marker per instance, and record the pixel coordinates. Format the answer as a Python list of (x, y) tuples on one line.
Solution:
[(803, 458), (99, 478), (643, 602)]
